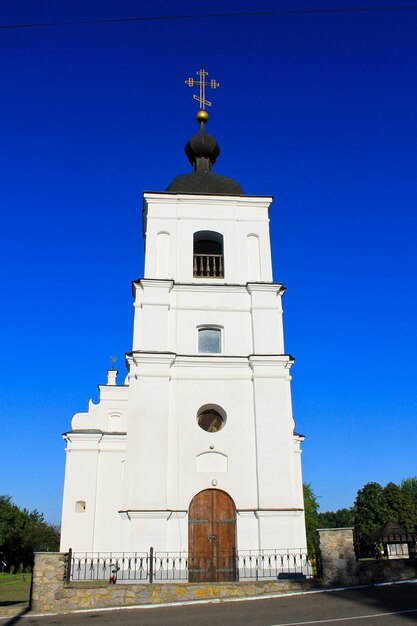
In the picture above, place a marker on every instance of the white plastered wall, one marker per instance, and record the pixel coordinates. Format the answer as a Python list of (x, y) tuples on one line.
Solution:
[(181, 215), (140, 485)]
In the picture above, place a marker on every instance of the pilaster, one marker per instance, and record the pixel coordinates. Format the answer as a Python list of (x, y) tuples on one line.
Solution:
[(274, 431), (147, 449), (266, 309), (81, 471), (152, 301)]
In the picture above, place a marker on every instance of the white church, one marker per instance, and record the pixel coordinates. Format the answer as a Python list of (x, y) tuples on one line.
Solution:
[(195, 451)]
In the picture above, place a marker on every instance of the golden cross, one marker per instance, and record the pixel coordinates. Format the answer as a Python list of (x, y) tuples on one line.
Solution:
[(202, 84)]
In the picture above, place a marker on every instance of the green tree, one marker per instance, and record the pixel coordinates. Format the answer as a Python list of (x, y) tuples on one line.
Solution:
[(409, 486), (341, 518), (311, 508), (11, 522), (399, 505), (23, 532), (370, 510), (409, 489)]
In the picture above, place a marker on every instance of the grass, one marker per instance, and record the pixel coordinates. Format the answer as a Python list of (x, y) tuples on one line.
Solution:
[(14, 589)]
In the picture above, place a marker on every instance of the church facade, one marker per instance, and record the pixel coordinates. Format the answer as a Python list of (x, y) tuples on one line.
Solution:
[(196, 450)]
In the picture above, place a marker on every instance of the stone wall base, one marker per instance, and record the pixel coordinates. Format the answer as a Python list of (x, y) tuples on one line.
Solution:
[(50, 592), (93, 596), (340, 572)]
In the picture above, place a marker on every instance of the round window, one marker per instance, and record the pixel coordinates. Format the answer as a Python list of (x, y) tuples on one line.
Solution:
[(210, 420)]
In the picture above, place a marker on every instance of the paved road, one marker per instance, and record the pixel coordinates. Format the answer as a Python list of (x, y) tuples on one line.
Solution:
[(394, 605)]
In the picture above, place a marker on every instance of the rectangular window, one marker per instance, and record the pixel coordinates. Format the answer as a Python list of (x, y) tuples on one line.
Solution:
[(209, 340)]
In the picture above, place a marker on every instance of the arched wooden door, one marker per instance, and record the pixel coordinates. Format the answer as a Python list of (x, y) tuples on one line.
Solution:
[(212, 537)]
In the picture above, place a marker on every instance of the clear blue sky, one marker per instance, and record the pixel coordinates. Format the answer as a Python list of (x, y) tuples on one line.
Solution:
[(319, 110)]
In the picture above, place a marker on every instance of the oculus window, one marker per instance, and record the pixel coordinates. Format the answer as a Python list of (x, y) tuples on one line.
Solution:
[(209, 340), (211, 419)]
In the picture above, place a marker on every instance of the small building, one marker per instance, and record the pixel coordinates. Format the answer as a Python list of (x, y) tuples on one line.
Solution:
[(395, 541)]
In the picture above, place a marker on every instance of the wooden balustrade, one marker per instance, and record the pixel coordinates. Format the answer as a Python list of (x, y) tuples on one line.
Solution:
[(208, 266)]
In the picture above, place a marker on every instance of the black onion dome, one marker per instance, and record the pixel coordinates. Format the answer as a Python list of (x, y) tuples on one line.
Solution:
[(202, 145), (205, 182), (202, 151)]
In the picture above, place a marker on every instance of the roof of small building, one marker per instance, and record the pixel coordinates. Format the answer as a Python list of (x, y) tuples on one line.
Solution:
[(392, 532)]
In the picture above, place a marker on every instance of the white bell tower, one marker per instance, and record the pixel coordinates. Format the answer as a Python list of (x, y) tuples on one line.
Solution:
[(196, 451)]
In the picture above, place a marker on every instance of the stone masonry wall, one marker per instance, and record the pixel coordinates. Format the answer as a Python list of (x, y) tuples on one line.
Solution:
[(336, 560), (337, 564), (48, 580), (50, 592)]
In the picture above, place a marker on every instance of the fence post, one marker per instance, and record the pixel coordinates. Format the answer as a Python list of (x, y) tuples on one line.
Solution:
[(151, 565), (235, 565), (69, 565)]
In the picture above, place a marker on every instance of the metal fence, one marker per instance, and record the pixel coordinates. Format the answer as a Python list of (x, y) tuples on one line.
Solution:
[(156, 566), (264, 564), (108, 566)]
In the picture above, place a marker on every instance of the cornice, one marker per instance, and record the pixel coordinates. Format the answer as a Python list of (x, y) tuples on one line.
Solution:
[(211, 286), (298, 437), (94, 440), (93, 431), (83, 435), (113, 389), (234, 360), (277, 512), (254, 287), (191, 198), (145, 514), (161, 358), (216, 361), (270, 360), (167, 513), (161, 283)]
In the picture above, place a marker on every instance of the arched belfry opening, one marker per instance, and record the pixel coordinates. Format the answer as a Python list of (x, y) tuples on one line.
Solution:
[(212, 537), (208, 256)]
